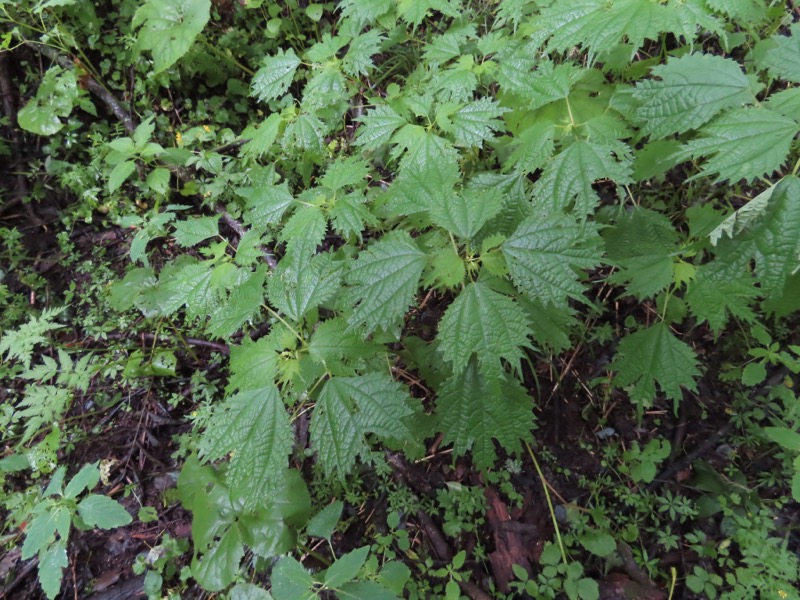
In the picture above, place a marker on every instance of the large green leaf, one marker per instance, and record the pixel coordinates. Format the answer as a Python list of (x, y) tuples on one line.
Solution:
[(384, 280), (543, 252), (254, 426), (377, 127), (783, 60), (745, 143), (350, 407), (472, 411), (483, 322), (475, 123), (169, 28), (654, 355), (103, 512), (690, 91), (54, 98), (301, 283), (464, 214)]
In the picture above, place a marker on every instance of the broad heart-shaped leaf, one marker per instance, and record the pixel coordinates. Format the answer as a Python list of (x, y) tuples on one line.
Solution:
[(275, 75), (254, 426), (768, 230), (641, 243), (691, 90), (377, 127), (471, 411), (384, 280), (744, 143), (543, 252), (599, 25), (169, 28), (103, 512), (464, 214), (566, 183), (350, 407), (783, 60), (654, 355), (486, 323)]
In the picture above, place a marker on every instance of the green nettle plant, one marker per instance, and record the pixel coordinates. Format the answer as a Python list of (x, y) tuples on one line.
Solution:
[(426, 187)]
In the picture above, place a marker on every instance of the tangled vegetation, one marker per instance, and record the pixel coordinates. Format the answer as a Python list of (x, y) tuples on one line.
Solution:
[(415, 299)]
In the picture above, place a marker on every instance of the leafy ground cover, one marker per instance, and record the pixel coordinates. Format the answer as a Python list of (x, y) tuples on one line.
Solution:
[(419, 299)]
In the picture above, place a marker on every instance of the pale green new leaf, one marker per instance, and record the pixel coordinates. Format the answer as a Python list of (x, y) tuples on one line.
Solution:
[(690, 91), (351, 407), (654, 355), (476, 122), (255, 428), (169, 28), (384, 280), (19, 344), (377, 127), (566, 183), (275, 75), (473, 411), (486, 323), (744, 143), (783, 61), (641, 243), (543, 253)]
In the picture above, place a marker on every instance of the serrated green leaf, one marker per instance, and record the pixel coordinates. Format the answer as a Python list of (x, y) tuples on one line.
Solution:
[(193, 231), (723, 287), (542, 253), (358, 60), (486, 323), (333, 346), (254, 365), (783, 60), (103, 512), (384, 280), (745, 143), (349, 216), (744, 11), (262, 137), (243, 304), (365, 11), (265, 204), (169, 28), (377, 127), (654, 355), (598, 25), (39, 533), (477, 122), (690, 91), (325, 90), (641, 243), (532, 147), (302, 283), (784, 437), (350, 407), (275, 75), (414, 12), (304, 231), (566, 183), (254, 426), (52, 563), (119, 174), (305, 133), (472, 411), (345, 172), (464, 214)]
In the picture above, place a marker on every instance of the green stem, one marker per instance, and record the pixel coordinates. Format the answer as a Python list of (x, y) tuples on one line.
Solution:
[(285, 324), (227, 57), (549, 502)]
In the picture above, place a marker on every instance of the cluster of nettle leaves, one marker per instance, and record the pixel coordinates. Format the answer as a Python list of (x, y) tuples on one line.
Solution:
[(495, 175)]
